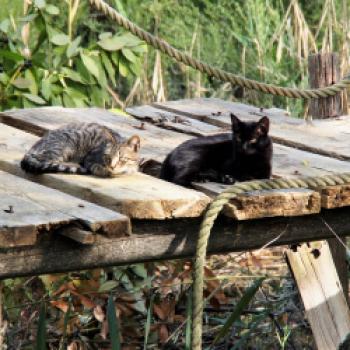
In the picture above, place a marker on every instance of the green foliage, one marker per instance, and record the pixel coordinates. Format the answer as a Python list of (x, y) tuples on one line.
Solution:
[(46, 62)]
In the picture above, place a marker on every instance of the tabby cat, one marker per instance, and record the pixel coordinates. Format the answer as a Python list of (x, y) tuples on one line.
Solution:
[(244, 154), (83, 148)]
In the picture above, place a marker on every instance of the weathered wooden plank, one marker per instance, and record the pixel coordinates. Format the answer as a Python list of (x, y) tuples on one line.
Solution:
[(259, 204), (172, 121), (322, 294), (327, 137), (27, 208), (138, 196), (169, 239)]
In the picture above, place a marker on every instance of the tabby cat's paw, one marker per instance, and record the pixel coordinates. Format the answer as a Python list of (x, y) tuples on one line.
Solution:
[(100, 171)]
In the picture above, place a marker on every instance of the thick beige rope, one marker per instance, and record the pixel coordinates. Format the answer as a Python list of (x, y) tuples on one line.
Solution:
[(219, 74)]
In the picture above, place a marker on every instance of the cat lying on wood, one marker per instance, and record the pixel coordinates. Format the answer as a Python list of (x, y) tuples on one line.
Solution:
[(244, 154), (83, 148)]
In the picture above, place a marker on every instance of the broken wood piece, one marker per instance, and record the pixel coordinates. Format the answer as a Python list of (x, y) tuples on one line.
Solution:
[(77, 234), (36, 208), (318, 282), (137, 196), (259, 204)]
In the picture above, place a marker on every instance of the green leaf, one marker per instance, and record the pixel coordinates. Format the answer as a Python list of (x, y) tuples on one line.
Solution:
[(4, 78), (113, 325), (40, 4), (72, 75), (236, 313), (105, 35), (123, 68), (109, 67), (129, 55), (34, 98), (5, 26), (68, 101), (41, 332), (90, 64), (73, 47), (148, 322), (33, 88), (60, 39), (112, 43), (21, 83), (52, 10), (12, 56), (46, 90), (108, 286)]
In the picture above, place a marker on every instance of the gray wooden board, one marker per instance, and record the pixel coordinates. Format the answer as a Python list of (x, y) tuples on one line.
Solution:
[(170, 239), (172, 121), (327, 137), (138, 196), (27, 207)]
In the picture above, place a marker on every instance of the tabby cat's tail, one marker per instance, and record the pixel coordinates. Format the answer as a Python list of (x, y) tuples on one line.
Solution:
[(33, 165)]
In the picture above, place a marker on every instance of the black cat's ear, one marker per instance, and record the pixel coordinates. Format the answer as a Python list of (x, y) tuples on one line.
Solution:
[(235, 122), (134, 142), (264, 125)]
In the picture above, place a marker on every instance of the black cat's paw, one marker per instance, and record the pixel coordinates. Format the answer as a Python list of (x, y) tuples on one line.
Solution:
[(228, 179)]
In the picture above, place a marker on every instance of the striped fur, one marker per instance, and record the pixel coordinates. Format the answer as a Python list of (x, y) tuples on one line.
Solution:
[(83, 148)]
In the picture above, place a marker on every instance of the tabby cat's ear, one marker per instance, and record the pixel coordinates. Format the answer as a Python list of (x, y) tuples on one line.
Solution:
[(235, 123), (264, 125), (134, 142)]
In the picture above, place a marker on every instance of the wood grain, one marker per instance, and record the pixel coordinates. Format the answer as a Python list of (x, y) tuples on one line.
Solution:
[(27, 208)]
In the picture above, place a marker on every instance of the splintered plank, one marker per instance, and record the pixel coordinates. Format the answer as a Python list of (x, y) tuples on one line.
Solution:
[(138, 196), (322, 294), (259, 204), (155, 142), (288, 162), (329, 137), (27, 208)]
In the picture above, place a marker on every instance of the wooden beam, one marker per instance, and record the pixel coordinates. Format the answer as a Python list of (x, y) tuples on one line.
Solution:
[(171, 239), (318, 282)]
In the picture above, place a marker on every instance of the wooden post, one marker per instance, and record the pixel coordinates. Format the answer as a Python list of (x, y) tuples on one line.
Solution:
[(321, 292), (324, 70)]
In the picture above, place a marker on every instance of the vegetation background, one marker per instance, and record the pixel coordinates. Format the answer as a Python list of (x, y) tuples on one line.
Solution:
[(65, 53)]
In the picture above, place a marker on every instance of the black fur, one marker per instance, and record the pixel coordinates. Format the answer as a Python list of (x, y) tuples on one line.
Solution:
[(243, 155)]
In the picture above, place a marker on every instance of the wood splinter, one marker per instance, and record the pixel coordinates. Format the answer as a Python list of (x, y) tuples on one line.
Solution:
[(77, 234)]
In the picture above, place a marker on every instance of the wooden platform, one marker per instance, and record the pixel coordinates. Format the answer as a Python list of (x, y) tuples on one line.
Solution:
[(163, 207)]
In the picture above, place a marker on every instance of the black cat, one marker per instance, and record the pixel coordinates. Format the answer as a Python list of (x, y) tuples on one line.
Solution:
[(245, 154)]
